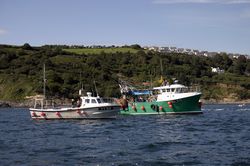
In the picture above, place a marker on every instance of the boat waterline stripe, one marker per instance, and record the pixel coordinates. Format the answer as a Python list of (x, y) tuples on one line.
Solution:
[(162, 113)]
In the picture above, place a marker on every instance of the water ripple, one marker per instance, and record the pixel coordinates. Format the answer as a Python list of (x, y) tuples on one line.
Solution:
[(220, 136)]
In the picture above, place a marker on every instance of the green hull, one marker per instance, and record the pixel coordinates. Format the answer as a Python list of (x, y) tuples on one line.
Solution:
[(189, 105)]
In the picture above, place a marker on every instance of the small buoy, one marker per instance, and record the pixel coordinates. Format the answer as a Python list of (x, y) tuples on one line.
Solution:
[(160, 108), (143, 108), (43, 114), (34, 114), (170, 104), (58, 114)]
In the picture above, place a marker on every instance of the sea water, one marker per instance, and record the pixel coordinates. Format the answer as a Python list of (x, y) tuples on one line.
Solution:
[(219, 136)]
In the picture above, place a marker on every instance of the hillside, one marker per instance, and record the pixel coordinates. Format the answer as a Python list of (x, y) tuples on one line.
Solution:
[(67, 69), (99, 50)]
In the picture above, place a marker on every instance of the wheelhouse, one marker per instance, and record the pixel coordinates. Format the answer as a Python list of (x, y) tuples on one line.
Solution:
[(175, 88), (92, 100)]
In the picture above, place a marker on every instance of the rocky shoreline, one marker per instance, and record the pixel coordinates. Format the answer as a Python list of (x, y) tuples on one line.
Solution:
[(15, 104), (4, 105)]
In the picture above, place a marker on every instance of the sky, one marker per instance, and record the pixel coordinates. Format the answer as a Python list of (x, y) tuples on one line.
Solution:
[(209, 25)]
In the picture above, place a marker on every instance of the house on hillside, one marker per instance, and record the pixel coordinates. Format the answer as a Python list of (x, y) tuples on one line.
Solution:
[(164, 49), (217, 70), (153, 48)]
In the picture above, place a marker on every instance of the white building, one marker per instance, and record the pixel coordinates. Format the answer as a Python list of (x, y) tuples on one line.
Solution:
[(217, 70)]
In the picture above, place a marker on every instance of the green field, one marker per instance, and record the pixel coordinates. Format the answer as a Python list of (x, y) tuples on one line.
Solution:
[(99, 50)]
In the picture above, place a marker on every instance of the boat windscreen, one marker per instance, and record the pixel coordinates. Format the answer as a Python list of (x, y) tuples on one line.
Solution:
[(99, 101)]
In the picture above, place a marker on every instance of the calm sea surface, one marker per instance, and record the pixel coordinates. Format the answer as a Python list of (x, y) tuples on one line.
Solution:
[(220, 136)]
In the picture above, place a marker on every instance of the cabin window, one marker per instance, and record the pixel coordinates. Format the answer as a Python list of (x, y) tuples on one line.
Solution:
[(86, 100), (168, 90), (178, 90), (172, 90), (184, 90), (99, 100), (93, 101)]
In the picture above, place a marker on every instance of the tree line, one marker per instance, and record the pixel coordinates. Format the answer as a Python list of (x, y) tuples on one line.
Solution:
[(67, 72)]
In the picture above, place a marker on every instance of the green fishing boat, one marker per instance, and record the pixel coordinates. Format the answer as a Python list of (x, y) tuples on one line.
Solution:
[(167, 99)]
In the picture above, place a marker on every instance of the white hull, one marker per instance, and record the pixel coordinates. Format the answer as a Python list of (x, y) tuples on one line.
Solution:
[(76, 113)]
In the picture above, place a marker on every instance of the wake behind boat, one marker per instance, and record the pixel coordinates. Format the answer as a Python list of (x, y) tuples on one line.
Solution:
[(88, 107)]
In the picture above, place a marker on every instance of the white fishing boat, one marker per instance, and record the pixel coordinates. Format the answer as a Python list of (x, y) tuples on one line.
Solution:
[(88, 107)]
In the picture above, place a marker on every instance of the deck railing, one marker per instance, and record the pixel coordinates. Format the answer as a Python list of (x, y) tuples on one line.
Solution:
[(49, 103)]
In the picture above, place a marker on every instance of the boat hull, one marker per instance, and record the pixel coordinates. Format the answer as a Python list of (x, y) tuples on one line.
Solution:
[(188, 105), (75, 113)]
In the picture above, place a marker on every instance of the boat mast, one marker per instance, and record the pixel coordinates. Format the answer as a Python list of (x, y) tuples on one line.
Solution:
[(81, 84), (44, 82), (96, 89)]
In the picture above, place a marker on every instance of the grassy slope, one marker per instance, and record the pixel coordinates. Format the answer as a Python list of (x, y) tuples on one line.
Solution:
[(99, 50), (15, 88), (226, 87)]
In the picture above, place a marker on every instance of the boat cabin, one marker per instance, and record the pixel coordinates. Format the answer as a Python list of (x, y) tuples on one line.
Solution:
[(160, 93), (90, 100), (175, 88)]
